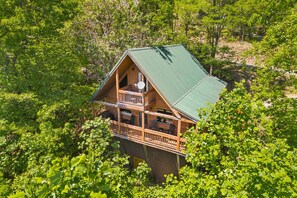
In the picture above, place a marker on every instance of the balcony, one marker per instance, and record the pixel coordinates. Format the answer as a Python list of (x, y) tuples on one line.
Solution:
[(150, 137), (129, 96)]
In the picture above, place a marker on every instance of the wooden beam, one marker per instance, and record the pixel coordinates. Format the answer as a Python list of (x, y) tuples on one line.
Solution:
[(106, 104), (143, 98), (117, 85), (122, 105), (188, 121), (146, 154), (119, 120), (118, 99), (128, 106), (175, 113), (161, 115), (160, 134), (129, 92), (178, 135), (178, 166)]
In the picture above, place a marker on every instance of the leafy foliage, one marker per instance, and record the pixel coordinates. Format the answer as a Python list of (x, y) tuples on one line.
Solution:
[(53, 54), (234, 153), (97, 170)]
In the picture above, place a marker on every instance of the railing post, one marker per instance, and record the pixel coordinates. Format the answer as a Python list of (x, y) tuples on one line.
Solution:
[(178, 134), (118, 100)]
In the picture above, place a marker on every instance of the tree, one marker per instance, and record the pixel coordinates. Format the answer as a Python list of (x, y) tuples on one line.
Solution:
[(102, 31), (279, 76), (99, 169), (235, 153)]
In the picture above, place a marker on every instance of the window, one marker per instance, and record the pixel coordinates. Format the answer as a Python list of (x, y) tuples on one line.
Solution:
[(137, 161), (124, 82), (164, 111)]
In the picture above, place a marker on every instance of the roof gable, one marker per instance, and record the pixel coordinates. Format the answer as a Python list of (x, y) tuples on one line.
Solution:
[(172, 69), (175, 74)]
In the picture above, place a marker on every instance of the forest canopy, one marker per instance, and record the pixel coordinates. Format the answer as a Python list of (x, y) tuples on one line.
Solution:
[(54, 54)]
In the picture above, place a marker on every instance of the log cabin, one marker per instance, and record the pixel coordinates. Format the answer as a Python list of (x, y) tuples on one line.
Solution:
[(151, 97)]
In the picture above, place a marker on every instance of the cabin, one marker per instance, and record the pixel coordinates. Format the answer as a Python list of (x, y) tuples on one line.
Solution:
[(151, 97)]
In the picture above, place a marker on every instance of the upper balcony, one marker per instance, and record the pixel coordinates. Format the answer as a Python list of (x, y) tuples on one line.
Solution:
[(131, 96)]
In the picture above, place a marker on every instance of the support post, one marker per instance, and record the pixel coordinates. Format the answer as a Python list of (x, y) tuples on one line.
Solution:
[(178, 164), (178, 134), (118, 99), (142, 127), (146, 154), (142, 113), (117, 85)]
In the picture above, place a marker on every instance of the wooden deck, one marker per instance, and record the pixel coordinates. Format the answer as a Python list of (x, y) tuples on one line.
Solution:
[(150, 137)]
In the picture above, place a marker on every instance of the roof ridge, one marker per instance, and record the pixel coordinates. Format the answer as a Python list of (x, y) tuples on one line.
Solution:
[(179, 99), (146, 48)]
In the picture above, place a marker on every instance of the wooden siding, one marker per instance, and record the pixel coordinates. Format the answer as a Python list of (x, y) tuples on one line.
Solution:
[(160, 103), (111, 96), (132, 74)]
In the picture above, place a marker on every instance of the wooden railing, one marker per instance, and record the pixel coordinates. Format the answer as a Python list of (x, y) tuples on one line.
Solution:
[(126, 130), (130, 97), (182, 143), (159, 138), (113, 125), (137, 98), (131, 131), (155, 138)]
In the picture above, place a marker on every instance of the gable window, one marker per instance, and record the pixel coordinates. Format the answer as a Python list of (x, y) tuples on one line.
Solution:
[(124, 81)]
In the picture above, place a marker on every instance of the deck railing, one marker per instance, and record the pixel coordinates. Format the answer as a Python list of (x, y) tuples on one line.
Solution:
[(182, 143), (130, 97), (155, 138), (159, 138), (137, 98)]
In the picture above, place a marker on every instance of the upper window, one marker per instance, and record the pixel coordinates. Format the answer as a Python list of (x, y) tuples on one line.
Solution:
[(124, 81)]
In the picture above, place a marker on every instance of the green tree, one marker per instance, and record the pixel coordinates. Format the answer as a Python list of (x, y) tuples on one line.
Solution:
[(234, 153), (98, 170), (102, 31), (279, 76)]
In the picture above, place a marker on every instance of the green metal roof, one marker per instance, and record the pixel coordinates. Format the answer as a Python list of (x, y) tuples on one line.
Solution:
[(178, 77), (204, 93), (172, 69)]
